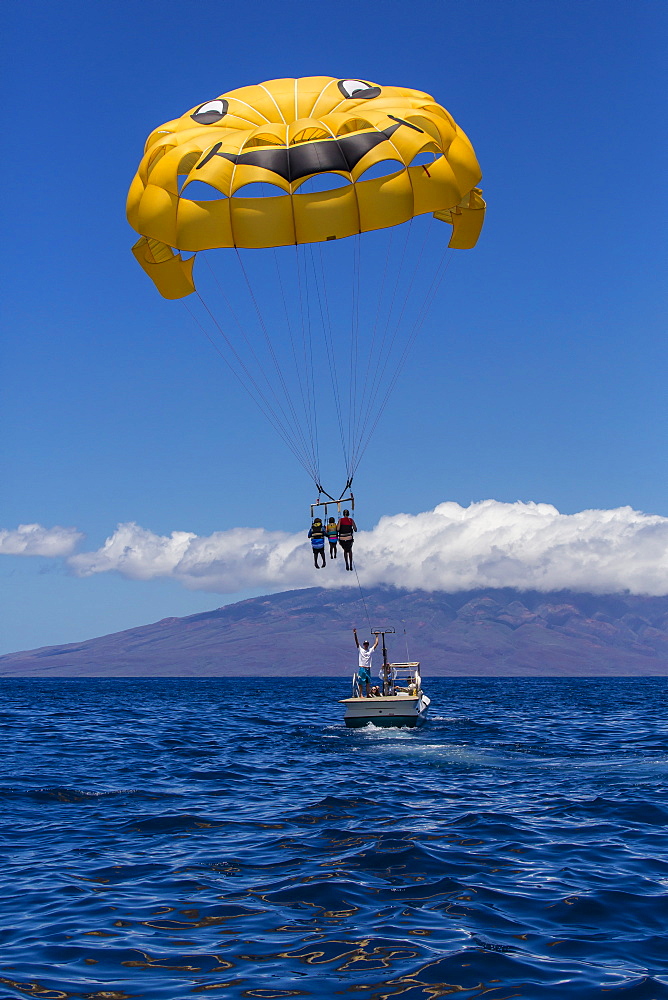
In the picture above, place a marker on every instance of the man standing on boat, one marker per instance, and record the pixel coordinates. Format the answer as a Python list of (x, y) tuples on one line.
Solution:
[(365, 654)]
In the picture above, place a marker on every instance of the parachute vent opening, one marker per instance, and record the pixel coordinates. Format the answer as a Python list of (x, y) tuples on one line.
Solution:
[(424, 159), (354, 125), (159, 252), (200, 191), (259, 189), (262, 140), (187, 162), (157, 155), (323, 182), (386, 168), (310, 134)]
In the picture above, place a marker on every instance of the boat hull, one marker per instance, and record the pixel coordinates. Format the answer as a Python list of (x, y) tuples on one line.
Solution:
[(389, 712)]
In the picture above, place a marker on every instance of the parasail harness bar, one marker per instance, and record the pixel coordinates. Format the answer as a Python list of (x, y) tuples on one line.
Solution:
[(331, 500)]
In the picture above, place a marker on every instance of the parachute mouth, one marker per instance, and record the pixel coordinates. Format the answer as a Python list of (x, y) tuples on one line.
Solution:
[(318, 156)]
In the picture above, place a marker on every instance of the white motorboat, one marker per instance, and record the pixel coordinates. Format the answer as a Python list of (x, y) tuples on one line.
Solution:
[(402, 701)]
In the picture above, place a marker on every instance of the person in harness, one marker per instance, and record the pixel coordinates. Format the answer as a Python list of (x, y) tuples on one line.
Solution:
[(317, 536), (346, 527), (332, 533)]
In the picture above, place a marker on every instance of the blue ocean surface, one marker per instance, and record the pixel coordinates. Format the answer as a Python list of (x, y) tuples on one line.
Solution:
[(231, 838)]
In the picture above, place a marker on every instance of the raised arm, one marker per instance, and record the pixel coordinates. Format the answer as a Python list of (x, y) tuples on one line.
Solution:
[(357, 642), (376, 642)]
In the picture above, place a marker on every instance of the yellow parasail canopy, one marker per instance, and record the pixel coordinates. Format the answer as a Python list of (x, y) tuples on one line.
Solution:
[(235, 172)]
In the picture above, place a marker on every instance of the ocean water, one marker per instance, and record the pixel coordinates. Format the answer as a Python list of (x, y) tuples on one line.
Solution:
[(231, 838)]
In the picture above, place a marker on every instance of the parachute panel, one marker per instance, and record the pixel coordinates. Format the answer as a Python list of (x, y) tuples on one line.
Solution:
[(385, 201), (171, 274), (466, 221), (203, 225), (157, 215), (437, 176), (262, 222), (326, 215)]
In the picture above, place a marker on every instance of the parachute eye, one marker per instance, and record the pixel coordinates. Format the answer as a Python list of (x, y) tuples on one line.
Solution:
[(210, 113), (358, 89)]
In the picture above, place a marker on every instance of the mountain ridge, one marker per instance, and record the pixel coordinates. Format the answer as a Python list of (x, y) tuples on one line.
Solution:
[(480, 632)]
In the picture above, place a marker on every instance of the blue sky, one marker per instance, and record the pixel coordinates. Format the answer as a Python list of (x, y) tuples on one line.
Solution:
[(539, 377)]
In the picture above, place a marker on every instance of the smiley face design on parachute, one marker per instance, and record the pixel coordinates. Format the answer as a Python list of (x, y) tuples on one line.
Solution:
[(301, 161)]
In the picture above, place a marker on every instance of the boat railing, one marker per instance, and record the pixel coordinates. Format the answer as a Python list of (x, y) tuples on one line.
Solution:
[(401, 676), (406, 674)]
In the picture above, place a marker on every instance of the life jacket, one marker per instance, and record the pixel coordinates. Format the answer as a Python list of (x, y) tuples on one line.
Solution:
[(317, 533), (332, 532), (345, 529)]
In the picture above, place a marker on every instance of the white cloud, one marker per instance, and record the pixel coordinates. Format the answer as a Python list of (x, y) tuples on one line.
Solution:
[(225, 562), (523, 545), (489, 544), (136, 553), (34, 540)]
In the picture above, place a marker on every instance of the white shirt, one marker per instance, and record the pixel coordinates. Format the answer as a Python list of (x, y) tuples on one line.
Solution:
[(365, 657)]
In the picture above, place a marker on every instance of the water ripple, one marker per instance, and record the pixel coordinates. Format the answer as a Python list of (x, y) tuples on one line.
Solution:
[(155, 845)]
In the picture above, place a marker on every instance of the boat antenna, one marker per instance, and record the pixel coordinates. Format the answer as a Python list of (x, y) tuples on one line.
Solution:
[(406, 638), (388, 685)]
